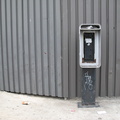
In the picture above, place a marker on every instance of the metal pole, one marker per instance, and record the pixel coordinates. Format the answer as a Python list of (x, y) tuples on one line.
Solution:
[(88, 88)]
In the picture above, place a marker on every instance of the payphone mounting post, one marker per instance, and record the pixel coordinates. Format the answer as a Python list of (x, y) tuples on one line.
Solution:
[(89, 59)]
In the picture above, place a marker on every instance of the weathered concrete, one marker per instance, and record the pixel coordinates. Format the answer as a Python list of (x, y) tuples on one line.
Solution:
[(46, 108)]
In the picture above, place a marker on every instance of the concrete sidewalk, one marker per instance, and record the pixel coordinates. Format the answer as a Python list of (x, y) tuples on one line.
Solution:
[(46, 108)]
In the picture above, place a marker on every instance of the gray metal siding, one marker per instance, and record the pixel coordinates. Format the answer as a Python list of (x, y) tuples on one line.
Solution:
[(39, 46)]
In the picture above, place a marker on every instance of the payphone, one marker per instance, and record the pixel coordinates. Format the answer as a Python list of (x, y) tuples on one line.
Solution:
[(90, 45), (89, 60)]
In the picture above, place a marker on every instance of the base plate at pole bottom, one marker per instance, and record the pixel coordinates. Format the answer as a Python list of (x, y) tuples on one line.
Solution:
[(80, 105)]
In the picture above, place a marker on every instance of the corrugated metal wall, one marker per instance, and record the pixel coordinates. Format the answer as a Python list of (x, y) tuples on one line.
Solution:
[(39, 46)]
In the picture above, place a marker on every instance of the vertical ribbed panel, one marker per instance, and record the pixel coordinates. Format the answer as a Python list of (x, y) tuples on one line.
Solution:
[(104, 50), (64, 30), (117, 72), (39, 46)]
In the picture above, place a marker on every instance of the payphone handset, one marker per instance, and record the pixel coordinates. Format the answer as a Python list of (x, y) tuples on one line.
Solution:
[(90, 45)]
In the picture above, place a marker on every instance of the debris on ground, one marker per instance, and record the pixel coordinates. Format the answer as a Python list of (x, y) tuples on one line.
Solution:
[(25, 103), (101, 112)]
